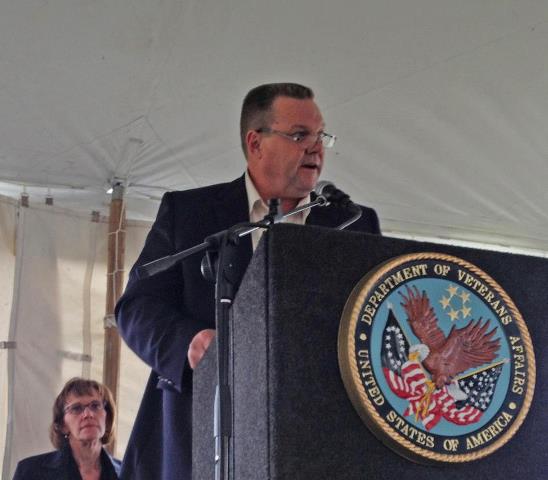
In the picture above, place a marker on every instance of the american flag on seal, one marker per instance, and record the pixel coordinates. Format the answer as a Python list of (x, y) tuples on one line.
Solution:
[(462, 402)]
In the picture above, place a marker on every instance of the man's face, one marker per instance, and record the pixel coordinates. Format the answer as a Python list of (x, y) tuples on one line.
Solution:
[(280, 167)]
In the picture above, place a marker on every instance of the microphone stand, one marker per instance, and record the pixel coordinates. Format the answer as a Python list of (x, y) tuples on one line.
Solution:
[(213, 241), (225, 281), (218, 265)]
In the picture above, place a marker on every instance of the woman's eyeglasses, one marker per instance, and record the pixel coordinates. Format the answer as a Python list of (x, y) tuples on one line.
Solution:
[(79, 408)]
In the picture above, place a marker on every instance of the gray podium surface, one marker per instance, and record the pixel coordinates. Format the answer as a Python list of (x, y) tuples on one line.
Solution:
[(292, 417)]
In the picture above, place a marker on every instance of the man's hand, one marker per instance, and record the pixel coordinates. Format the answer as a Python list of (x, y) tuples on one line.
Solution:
[(198, 346)]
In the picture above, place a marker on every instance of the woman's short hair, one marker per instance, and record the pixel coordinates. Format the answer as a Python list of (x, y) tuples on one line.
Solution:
[(79, 387)]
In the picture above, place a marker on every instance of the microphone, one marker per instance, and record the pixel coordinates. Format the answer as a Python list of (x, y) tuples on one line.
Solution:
[(331, 194)]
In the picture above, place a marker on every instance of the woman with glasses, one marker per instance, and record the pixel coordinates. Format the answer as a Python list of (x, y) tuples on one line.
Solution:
[(84, 417)]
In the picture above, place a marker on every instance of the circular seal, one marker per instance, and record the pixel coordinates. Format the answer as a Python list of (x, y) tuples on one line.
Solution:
[(436, 358)]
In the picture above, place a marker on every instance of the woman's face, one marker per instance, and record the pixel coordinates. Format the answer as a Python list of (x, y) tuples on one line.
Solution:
[(85, 417)]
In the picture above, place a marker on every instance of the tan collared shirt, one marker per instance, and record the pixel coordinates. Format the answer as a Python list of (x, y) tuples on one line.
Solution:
[(258, 209)]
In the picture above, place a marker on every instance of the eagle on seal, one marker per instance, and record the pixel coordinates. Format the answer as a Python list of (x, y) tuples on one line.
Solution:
[(445, 357)]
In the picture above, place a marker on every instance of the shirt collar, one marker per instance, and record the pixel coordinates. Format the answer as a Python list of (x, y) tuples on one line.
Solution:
[(253, 197)]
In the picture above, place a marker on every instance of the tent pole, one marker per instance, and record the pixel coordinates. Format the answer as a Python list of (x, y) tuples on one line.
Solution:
[(115, 279)]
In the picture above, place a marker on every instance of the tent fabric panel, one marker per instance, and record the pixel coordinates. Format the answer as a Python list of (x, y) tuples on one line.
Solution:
[(57, 321), (8, 222)]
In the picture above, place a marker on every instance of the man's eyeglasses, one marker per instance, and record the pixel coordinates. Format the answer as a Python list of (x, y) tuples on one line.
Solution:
[(76, 409), (304, 138)]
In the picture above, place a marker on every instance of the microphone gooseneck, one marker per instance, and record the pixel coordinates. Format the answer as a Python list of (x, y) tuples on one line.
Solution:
[(327, 191)]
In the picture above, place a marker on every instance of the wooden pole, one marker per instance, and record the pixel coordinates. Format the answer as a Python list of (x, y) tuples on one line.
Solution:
[(115, 281)]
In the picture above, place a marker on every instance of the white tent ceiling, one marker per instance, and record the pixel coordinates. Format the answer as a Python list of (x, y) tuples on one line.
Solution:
[(441, 106)]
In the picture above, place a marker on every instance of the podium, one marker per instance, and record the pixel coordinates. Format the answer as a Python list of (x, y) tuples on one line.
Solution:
[(292, 417)]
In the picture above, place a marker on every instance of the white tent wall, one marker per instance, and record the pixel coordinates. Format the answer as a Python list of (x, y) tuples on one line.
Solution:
[(8, 211), (56, 321)]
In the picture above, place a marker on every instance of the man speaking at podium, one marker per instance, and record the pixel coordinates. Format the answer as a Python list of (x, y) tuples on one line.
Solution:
[(168, 319)]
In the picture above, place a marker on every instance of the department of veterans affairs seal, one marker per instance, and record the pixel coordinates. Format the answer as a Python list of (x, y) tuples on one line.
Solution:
[(436, 358)]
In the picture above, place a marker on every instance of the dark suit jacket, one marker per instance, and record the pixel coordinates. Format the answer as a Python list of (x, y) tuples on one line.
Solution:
[(60, 465), (159, 316)]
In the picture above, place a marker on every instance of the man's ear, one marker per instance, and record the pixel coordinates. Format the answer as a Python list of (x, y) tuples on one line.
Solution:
[(253, 142)]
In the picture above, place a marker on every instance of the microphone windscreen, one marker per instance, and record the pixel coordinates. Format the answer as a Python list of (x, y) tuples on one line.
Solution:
[(323, 186)]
